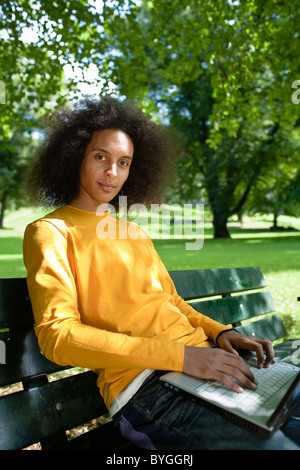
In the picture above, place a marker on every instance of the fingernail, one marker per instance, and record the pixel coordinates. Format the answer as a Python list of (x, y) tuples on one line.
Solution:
[(240, 390)]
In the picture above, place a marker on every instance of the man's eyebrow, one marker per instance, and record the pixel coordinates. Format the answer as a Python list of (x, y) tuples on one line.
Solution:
[(98, 149)]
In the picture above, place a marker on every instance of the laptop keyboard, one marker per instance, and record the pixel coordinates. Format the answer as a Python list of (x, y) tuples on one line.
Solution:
[(270, 380)]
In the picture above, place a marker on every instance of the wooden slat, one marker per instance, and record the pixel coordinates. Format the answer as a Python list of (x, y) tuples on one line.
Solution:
[(23, 357), (208, 282), (229, 310), (270, 328), (15, 307), (29, 416)]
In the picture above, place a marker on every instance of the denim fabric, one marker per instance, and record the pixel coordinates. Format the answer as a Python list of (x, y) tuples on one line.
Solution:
[(157, 418)]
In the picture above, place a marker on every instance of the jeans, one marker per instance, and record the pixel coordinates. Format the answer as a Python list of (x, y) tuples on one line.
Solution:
[(157, 418)]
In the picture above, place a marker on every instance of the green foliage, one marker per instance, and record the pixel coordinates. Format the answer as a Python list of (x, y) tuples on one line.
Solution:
[(14, 158), (222, 73), (38, 38), (250, 50), (261, 161), (222, 70)]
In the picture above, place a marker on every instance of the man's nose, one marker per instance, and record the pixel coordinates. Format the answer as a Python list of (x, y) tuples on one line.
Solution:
[(111, 170)]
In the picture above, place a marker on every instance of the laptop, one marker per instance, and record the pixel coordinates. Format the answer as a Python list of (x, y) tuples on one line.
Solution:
[(262, 411)]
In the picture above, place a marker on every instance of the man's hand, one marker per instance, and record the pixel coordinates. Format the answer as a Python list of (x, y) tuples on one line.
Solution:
[(225, 363), (220, 365), (231, 340)]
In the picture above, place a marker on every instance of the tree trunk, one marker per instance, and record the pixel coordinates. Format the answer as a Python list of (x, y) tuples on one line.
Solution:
[(220, 226), (3, 206), (275, 220)]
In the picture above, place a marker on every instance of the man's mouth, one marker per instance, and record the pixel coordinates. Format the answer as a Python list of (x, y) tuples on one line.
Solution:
[(107, 186)]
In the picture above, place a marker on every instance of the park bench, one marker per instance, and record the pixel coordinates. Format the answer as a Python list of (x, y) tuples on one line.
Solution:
[(43, 410)]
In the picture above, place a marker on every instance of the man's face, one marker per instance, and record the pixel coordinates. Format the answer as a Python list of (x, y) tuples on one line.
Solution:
[(104, 169)]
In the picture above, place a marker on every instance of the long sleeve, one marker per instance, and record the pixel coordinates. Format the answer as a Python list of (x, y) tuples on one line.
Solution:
[(62, 336), (107, 304)]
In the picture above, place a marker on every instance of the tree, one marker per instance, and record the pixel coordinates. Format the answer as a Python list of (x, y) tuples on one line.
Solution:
[(278, 191), (227, 173), (235, 41), (135, 44), (243, 51), (38, 38), (150, 50), (13, 166)]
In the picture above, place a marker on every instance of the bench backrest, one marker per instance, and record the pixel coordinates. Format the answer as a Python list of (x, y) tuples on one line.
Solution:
[(44, 409), (232, 296)]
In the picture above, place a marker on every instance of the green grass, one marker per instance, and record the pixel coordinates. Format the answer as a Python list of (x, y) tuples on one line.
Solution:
[(277, 254), (11, 241)]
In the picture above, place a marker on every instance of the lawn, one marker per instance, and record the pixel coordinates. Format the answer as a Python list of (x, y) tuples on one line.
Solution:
[(252, 244)]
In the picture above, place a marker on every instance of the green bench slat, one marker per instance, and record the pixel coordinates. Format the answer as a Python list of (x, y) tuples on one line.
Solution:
[(23, 357), (15, 307), (271, 328), (209, 282), (229, 310), (29, 416)]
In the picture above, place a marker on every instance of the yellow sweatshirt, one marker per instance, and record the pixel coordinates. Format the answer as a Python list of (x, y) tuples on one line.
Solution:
[(102, 299)]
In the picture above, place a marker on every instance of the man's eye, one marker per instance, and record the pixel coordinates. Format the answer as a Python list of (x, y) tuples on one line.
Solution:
[(100, 157), (124, 163)]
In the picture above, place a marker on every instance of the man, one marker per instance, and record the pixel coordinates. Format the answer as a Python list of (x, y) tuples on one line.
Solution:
[(107, 302)]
